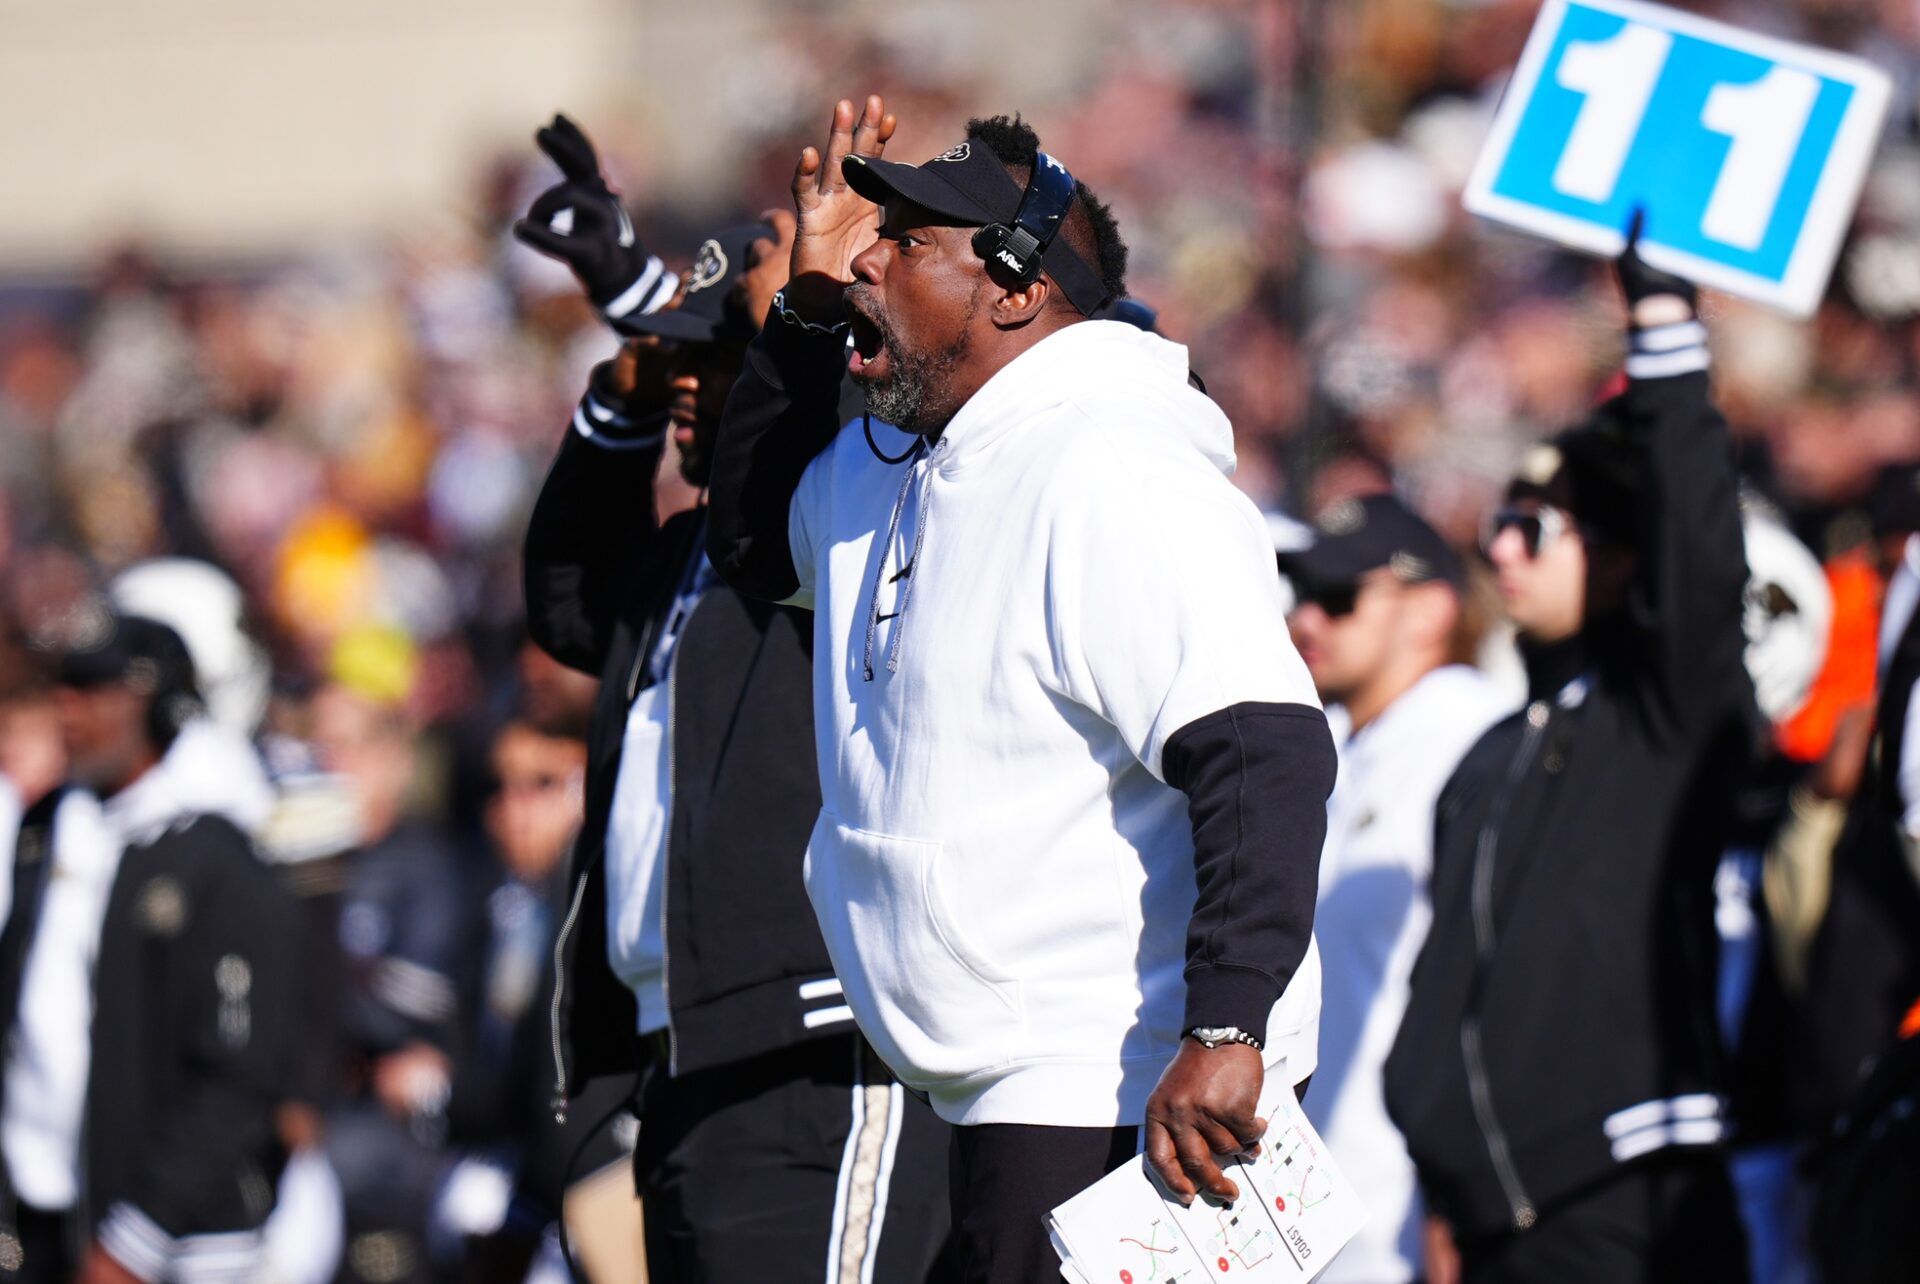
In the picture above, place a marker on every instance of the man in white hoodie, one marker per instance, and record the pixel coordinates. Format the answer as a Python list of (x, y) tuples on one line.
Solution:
[(1378, 623), (1073, 772)]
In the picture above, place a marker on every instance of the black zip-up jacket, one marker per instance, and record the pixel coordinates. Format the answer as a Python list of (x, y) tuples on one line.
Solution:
[(195, 1033), (1561, 1020), (741, 940)]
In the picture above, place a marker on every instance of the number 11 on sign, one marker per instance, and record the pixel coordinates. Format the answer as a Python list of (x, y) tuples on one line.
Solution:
[(1765, 120)]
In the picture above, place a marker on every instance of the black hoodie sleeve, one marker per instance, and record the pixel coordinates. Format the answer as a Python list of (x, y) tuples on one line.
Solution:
[(1257, 777), (783, 410), (594, 520), (1692, 563)]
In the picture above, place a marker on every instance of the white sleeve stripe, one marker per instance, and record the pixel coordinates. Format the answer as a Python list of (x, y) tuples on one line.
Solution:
[(664, 292), (413, 990), (136, 1242), (641, 291), (608, 441), (1666, 338), (1664, 365), (826, 1016), (604, 413)]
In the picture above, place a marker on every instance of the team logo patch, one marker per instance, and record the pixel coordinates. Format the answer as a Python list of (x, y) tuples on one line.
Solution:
[(162, 906), (959, 153), (708, 266)]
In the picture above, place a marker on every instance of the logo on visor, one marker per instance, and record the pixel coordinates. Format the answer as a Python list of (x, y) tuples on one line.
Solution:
[(709, 266), (959, 153)]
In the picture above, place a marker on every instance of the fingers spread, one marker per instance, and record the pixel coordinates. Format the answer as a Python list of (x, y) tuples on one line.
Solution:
[(839, 143), (806, 177), (866, 135)]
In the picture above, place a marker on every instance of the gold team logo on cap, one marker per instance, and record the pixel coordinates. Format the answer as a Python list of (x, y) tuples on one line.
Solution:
[(708, 266)]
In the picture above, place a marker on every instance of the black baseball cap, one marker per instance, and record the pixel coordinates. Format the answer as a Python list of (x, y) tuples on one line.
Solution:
[(711, 309), (110, 648), (1592, 472), (1355, 536), (968, 184)]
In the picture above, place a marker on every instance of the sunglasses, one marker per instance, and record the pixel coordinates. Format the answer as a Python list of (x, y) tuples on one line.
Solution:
[(1538, 527), (1337, 600)]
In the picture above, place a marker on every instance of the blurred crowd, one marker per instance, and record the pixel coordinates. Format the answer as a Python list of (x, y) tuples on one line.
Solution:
[(354, 437)]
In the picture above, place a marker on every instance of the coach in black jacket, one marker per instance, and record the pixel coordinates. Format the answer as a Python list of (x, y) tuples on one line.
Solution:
[(760, 1098), (1556, 1074), (193, 995)]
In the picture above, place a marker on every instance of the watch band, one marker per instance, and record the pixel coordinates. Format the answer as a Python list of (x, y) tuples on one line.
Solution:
[(1212, 1036)]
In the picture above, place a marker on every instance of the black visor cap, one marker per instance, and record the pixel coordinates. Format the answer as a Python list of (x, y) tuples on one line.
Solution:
[(969, 185)]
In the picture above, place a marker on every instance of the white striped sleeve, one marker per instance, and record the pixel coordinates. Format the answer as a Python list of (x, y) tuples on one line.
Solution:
[(1663, 351), (607, 427), (649, 292)]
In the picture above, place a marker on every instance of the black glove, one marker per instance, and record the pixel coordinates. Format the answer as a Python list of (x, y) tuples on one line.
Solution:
[(1639, 281), (581, 222)]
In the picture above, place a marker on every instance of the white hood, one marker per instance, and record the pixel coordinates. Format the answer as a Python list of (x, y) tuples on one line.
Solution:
[(208, 770), (1122, 363)]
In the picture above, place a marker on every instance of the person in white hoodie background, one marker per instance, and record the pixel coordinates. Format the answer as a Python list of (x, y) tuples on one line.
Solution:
[(1379, 624), (1074, 774)]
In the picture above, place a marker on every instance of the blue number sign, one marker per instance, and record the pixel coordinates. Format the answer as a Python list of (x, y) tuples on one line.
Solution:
[(1746, 152)]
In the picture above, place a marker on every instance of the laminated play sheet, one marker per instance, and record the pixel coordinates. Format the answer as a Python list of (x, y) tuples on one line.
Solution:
[(1295, 1211)]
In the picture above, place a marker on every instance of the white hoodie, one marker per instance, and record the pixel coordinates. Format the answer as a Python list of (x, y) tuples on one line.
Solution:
[(1003, 878)]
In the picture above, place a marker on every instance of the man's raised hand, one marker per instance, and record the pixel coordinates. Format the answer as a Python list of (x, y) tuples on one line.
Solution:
[(834, 222), (581, 221)]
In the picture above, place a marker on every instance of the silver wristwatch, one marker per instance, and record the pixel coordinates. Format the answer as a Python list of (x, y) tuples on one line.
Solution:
[(1212, 1036)]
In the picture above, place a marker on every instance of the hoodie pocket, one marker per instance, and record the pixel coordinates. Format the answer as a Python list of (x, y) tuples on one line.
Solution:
[(932, 1005)]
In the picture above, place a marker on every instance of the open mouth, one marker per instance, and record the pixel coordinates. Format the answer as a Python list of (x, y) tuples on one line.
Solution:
[(869, 345)]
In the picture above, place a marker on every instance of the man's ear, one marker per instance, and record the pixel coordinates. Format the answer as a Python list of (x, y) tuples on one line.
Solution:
[(1021, 303), (1434, 609)]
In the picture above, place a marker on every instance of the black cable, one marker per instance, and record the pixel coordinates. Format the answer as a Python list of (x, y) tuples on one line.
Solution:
[(866, 426)]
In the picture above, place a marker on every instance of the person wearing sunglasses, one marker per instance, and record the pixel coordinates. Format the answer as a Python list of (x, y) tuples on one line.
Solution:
[(1379, 621), (1557, 1076)]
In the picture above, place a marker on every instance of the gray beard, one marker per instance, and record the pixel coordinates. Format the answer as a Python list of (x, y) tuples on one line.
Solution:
[(913, 395)]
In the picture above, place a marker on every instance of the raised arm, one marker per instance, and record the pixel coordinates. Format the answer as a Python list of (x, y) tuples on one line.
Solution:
[(785, 407), (595, 518), (1691, 556)]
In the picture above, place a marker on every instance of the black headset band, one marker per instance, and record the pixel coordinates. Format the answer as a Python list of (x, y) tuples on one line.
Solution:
[(1031, 242)]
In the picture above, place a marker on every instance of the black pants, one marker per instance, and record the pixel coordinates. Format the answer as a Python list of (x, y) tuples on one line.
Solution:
[(807, 1164), (1672, 1219), (1006, 1178)]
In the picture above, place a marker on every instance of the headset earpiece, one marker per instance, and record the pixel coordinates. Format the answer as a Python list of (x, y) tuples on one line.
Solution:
[(1015, 250)]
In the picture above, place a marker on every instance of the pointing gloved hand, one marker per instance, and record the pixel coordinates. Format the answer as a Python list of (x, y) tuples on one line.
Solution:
[(1667, 298), (581, 221)]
